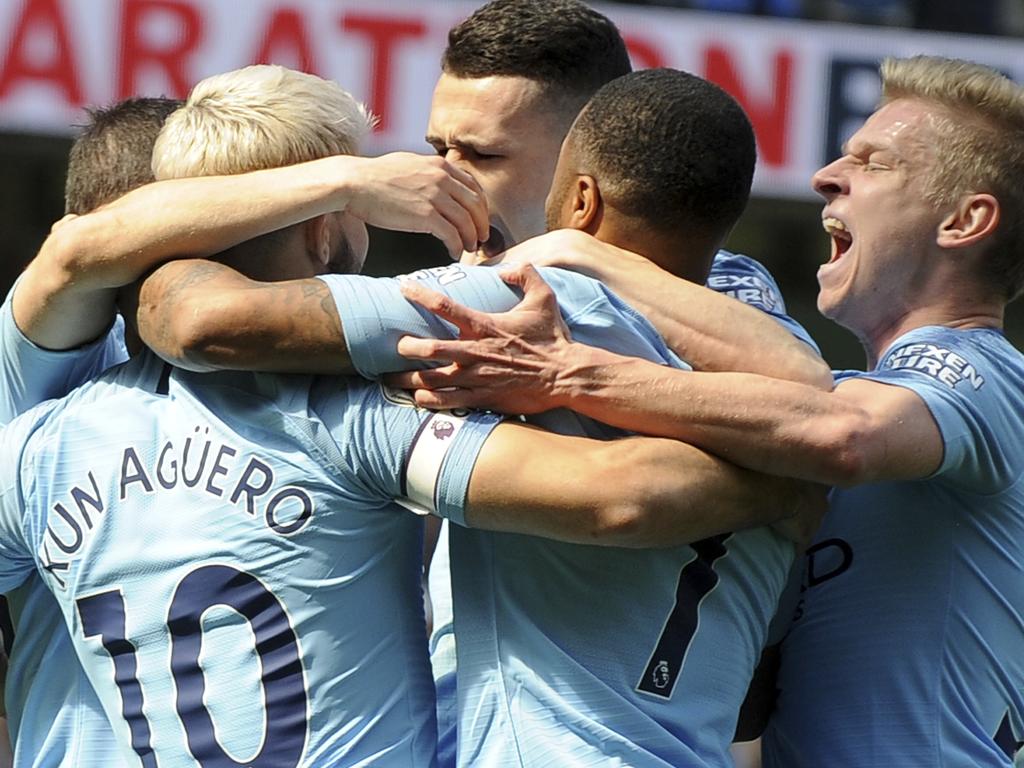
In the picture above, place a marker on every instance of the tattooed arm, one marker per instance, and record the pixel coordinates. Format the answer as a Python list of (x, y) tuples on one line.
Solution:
[(203, 316), (66, 297)]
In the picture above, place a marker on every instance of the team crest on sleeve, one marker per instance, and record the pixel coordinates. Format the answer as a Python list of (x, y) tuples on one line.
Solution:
[(749, 289), (445, 275), (937, 362)]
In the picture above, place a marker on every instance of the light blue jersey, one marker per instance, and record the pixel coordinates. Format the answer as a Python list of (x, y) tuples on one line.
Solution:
[(908, 646), (238, 583), (578, 655), (55, 718)]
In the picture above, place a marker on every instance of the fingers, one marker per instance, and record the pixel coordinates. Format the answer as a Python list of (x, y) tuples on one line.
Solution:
[(430, 349), (429, 378), (446, 232), (401, 379), (468, 321), (419, 193), (431, 389), (459, 202), (470, 196), (461, 216), (446, 399), (528, 280)]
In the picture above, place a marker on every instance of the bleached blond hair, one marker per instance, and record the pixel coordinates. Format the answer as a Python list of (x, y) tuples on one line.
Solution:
[(980, 131), (262, 116)]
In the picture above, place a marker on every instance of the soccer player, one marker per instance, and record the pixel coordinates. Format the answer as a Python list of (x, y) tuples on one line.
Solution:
[(53, 714), (257, 514), (59, 330), (906, 646)]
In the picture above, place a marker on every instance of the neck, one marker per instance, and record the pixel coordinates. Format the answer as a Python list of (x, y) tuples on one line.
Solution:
[(950, 314), (688, 257)]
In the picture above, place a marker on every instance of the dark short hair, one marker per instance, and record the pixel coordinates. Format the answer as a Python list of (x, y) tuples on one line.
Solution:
[(113, 153), (671, 149), (566, 46)]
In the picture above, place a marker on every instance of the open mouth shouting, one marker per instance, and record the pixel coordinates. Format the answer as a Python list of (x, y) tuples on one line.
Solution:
[(840, 236)]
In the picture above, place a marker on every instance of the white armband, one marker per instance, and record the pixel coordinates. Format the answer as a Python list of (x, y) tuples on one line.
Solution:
[(426, 456)]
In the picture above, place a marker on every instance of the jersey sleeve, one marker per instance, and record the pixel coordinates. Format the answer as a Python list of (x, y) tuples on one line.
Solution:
[(16, 560), (747, 280), (966, 388), (30, 374), (374, 314), (421, 459)]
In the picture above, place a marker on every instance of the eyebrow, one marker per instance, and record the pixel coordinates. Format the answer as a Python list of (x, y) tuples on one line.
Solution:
[(473, 143)]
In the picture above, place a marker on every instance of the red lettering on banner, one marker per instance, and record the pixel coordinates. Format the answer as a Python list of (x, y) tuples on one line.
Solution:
[(138, 53), (42, 18), (384, 34), (643, 53), (770, 116), (285, 42)]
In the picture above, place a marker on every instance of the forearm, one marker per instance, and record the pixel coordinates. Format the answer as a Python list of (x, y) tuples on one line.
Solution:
[(66, 295), (772, 426), (202, 316), (712, 331), (634, 492)]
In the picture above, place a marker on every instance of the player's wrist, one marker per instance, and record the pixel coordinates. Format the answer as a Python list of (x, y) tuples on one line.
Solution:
[(581, 374), (342, 174)]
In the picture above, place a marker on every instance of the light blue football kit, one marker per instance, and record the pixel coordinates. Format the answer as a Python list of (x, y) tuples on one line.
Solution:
[(579, 655), (54, 717), (226, 552), (907, 648)]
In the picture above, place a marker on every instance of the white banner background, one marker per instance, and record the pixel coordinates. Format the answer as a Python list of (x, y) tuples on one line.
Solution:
[(804, 84)]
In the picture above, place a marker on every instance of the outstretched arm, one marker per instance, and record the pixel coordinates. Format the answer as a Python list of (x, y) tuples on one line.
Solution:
[(524, 362), (711, 331), (66, 296), (632, 492)]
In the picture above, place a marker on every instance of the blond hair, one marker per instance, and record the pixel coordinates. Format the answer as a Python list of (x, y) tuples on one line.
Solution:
[(981, 136), (263, 116)]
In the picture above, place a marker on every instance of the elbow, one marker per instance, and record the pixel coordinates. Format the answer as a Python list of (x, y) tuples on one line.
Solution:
[(187, 337), (617, 509), (621, 523), (844, 452), (809, 369), (820, 376), (59, 261), (75, 252)]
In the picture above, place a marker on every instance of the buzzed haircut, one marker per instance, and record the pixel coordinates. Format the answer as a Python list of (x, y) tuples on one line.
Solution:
[(566, 46), (670, 148), (113, 154)]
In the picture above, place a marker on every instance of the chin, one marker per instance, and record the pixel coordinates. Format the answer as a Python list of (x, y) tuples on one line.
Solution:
[(829, 305)]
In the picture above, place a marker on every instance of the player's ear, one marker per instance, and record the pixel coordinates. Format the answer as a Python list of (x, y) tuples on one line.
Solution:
[(586, 204), (974, 218), (318, 239)]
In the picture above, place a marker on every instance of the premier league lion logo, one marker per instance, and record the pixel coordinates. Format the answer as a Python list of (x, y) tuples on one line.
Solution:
[(442, 429), (660, 675)]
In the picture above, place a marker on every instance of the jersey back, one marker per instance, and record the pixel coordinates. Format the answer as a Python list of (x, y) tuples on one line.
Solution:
[(577, 655), (53, 715), (238, 584)]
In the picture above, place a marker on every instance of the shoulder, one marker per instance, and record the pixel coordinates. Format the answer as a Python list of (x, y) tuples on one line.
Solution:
[(972, 382), (746, 279), (964, 361)]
